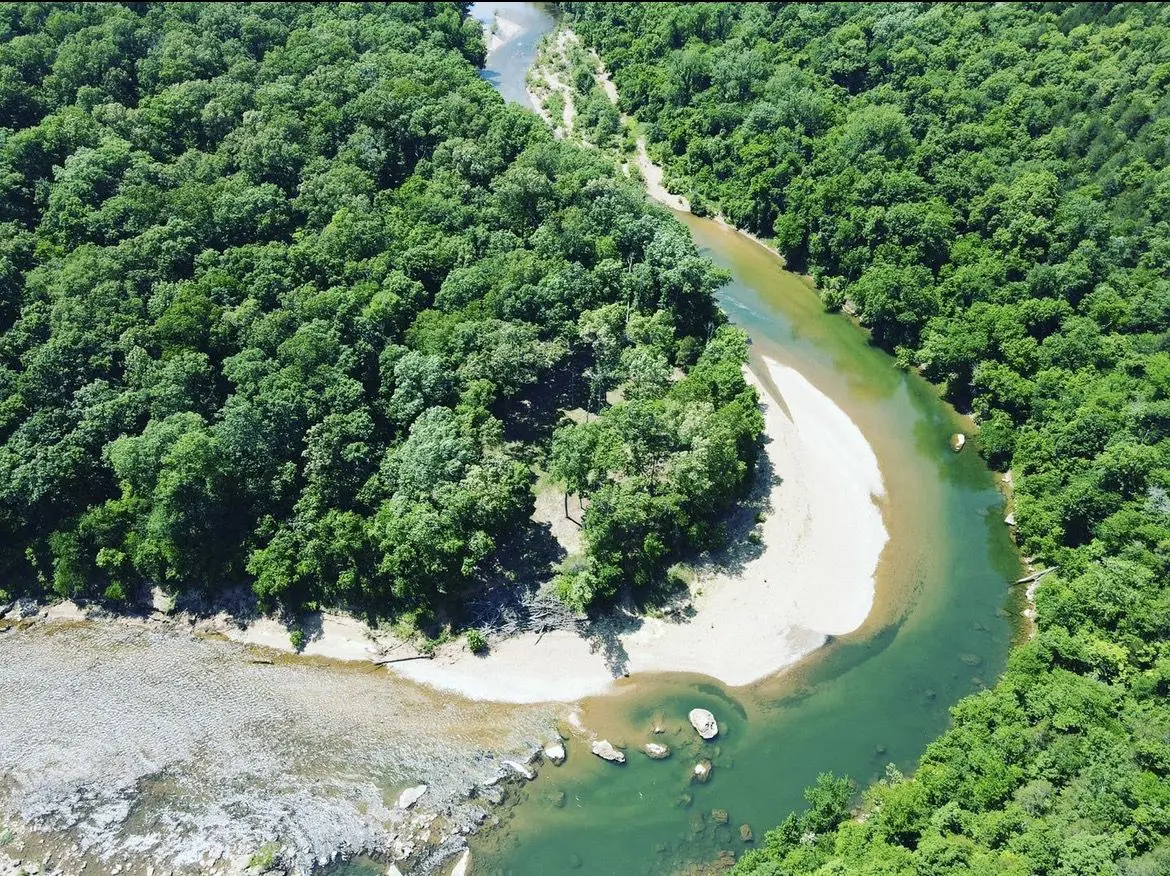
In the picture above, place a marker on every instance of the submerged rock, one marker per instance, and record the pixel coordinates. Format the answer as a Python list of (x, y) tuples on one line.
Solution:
[(720, 816), (702, 771), (411, 796), (604, 749), (555, 753), (745, 833), (704, 722), (656, 750)]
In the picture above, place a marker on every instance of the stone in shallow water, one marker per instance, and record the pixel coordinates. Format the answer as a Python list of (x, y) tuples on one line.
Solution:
[(520, 770), (704, 722), (719, 816), (745, 833), (463, 865), (555, 753), (656, 750), (702, 771), (604, 749)]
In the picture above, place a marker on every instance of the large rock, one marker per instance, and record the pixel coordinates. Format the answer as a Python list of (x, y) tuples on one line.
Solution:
[(958, 441), (702, 771), (520, 770), (555, 753), (604, 749), (656, 750), (463, 865), (411, 796), (704, 722)]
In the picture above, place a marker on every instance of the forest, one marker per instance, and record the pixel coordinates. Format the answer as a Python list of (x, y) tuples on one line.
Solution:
[(986, 188), (291, 300)]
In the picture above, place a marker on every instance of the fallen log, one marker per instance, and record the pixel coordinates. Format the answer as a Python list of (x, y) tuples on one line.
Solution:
[(382, 661), (1035, 576)]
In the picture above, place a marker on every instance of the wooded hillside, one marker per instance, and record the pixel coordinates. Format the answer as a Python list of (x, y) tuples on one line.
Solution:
[(290, 298)]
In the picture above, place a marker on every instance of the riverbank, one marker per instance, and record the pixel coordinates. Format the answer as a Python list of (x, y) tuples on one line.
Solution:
[(148, 746)]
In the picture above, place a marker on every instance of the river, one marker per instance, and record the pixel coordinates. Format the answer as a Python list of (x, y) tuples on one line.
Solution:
[(940, 627)]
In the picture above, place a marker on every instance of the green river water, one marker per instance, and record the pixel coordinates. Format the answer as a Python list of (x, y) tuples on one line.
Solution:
[(940, 628)]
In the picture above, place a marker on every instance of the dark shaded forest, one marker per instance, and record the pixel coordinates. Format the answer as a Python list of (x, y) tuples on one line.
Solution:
[(290, 299), (986, 187)]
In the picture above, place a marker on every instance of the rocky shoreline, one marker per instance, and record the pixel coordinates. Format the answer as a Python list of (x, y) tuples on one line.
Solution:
[(147, 746)]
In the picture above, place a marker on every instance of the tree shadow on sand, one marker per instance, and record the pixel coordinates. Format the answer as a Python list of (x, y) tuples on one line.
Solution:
[(742, 542), (674, 604)]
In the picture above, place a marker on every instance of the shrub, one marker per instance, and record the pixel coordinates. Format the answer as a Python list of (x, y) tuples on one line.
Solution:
[(476, 642)]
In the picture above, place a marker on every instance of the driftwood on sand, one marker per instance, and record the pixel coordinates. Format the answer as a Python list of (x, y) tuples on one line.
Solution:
[(383, 661), (532, 612)]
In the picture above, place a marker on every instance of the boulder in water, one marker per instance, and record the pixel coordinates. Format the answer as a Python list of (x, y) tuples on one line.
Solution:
[(656, 750), (958, 441), (411, 796), (745, 833), (702, 771), (704, 722), (1010, 520), (720, 816), (555, 753), (604, 749)]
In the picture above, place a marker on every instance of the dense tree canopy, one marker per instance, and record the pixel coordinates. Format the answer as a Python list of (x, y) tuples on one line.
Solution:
[(988, 188), (290, 297)]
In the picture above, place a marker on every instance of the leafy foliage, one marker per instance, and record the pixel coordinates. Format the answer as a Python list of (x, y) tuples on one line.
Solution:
[(283, 289), (986, 187)]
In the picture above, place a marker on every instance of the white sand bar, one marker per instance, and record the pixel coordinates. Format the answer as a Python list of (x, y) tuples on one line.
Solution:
[(813, 577)]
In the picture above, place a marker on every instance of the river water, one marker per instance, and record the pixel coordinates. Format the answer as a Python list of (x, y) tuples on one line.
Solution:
[(940, 628)]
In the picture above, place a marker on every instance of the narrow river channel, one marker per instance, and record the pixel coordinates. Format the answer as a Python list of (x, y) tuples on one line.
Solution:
[(939, 630)]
